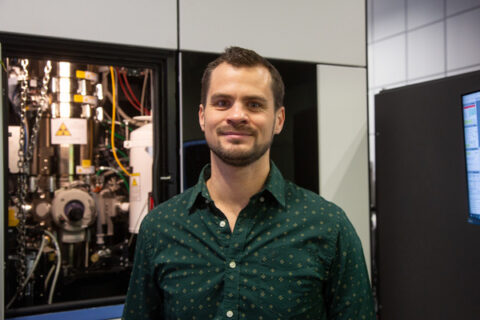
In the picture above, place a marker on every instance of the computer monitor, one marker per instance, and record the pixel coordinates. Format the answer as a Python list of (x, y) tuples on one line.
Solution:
[(471, 126)]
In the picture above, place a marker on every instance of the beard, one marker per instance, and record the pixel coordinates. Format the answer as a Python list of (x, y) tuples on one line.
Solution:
[(240, 158)]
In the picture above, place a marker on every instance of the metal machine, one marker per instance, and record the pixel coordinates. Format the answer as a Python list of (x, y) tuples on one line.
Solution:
[(80, 155)]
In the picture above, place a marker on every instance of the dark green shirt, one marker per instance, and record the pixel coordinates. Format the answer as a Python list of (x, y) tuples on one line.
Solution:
[(292, 255)]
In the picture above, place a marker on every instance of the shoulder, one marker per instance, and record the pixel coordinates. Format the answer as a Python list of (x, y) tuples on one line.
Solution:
[(315, 206), (296, 195)]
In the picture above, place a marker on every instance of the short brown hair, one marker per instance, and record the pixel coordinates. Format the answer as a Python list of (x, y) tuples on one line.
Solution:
[(240, 57)]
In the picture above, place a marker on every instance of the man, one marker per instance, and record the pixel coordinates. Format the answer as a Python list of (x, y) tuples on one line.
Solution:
[(244, 243)]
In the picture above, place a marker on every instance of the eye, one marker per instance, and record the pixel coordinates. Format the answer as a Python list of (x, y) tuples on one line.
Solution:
[(254, 104), (220, 103)]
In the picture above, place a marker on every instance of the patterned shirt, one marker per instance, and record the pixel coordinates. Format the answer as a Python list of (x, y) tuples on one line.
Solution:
[(292, 255)]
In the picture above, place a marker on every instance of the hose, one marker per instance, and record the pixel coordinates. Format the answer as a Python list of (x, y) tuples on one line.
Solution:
[(35, 264), (59, 265)]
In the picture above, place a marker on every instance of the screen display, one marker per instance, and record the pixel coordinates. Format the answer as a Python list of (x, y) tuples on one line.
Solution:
[(471, 125)]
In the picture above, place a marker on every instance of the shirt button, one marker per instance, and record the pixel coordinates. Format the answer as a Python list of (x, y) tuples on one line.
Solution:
[(262, 199), (223, 223), (232, 264), (229, 313)]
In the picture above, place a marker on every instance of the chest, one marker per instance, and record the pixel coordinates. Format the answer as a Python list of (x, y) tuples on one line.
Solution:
[(260, 268)]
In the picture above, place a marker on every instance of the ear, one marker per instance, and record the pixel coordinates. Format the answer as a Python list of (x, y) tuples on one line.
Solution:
[(279, 119), (201, 117)]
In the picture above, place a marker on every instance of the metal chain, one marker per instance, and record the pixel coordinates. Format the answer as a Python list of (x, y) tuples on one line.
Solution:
[(22, 182), (43, 107), (24, 160)]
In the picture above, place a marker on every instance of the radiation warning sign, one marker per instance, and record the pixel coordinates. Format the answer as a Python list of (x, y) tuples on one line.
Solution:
[(63, 131), (68, 131)]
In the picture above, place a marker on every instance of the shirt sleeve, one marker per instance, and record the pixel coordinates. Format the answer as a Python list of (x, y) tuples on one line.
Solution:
[(348, 293), (143, 299)]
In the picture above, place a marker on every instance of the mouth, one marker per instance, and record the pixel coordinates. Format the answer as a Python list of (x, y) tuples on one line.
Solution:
[(235, 133)]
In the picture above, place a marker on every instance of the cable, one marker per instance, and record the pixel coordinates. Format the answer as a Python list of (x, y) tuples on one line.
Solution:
[(120, 124), (109, 96), (113, 128), (120, 152), (59, 265), (122, 86), (106, 114), (118, 135), (133, 95), (35, 264), (102, 168), (47, 279), (144, 89)]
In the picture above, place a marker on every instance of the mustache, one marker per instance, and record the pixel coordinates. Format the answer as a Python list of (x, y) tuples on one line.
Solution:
[(240, 129)]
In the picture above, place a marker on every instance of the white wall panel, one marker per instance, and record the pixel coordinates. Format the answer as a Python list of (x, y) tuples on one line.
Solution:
[(463, 70), (148, 23), (309, 30), (388, 18), (426, 53), (463, 40), (343, 148), (371, 66), (389, 65), (370, 20), (421, 12), (455, 6)]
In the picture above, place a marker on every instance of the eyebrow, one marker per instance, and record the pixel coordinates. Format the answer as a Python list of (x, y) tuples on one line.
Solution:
[(227, 96), (220, 96), (256, 98)]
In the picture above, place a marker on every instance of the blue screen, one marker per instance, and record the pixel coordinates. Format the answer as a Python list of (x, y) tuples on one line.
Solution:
[(471, 125)]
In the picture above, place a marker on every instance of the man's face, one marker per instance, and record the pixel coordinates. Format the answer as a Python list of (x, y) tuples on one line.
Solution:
[(239, 120)]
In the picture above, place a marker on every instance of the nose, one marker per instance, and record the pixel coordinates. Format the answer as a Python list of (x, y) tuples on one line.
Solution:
[(237, 114)]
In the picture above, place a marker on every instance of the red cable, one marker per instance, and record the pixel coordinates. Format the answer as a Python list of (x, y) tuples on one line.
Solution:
[(127, 96), (130, 89), (132, 94)]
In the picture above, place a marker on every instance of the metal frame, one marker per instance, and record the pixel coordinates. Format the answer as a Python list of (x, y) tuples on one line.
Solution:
[(2, 199)]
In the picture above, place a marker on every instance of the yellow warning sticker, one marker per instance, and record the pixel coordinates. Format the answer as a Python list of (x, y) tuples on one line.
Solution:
[(63, 131), (135, 189), (86, 163), (68, 131)]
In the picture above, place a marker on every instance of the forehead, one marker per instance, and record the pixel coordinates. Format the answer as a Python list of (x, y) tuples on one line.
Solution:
[(229, 79)]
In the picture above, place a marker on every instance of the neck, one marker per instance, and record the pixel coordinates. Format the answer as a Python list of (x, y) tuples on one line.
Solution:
[(232, 187)]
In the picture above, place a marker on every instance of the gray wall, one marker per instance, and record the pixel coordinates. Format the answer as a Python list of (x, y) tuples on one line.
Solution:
[(412, 41)]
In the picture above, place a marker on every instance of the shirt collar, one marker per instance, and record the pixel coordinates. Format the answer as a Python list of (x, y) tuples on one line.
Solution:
[(275, 185)]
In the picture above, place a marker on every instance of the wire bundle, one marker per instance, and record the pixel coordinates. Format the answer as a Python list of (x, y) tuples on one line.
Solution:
[(128, 92), (112, 137)]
